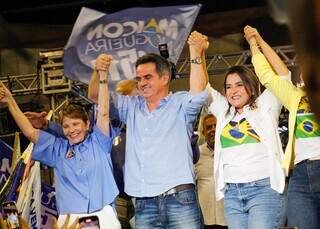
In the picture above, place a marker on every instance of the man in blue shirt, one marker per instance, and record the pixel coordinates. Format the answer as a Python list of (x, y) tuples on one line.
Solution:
[(159, 164)]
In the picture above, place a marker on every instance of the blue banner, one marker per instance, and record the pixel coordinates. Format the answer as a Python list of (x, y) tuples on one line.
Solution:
[(5, 162), (126, 35), (9, 183), (10, 190), (48, 206)]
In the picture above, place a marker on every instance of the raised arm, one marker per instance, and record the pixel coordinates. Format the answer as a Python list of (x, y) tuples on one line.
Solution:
[(93, 87), (283, 89), (275, 61), (198, 43), (254, 48), (102, 65), (22, 121)]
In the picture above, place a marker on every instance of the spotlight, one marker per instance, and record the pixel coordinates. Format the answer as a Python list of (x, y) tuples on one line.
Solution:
[(163, 49)]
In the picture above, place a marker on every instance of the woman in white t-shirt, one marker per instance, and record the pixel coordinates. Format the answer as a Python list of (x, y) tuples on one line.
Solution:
[(248, 151)]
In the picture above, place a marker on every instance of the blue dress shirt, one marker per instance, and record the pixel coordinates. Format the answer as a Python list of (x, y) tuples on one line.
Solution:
[(158, 149), (83, 172)]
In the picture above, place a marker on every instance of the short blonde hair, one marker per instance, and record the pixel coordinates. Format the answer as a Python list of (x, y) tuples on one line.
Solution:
[(126, 87)]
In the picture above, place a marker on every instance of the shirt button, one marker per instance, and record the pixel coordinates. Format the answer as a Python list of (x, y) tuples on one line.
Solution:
[(142, 152), (142, 180)]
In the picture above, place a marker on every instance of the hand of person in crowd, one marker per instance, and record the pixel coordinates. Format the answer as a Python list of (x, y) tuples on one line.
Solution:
[(198, 41), (5, 94), (250, 32), (3, 224), (37, 119), (23, 224), (27, 169), (74, 225)]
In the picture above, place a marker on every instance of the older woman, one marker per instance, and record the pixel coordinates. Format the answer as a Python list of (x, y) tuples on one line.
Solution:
[(81, 162)]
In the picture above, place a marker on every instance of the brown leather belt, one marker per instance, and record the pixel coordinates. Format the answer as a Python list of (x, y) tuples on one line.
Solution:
[(171, 191)]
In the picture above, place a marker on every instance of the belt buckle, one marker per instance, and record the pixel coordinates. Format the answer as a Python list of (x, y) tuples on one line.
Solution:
[(169, 192)]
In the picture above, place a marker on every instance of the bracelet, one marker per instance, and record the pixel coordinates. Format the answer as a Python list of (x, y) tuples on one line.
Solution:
[(105, 81), (256, 45)]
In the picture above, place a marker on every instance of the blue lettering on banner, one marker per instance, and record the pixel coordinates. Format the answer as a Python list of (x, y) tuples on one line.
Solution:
[(5, 160), (126, 35)]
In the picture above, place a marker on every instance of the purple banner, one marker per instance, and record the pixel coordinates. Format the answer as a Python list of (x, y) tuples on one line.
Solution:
[(5, 162)]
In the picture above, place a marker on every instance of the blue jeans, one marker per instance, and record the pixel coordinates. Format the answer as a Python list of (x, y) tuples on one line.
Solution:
[(304, 195), (178, 211), (253, 205)]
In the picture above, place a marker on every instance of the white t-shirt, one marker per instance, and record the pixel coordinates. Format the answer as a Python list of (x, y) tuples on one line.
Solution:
[(307, 133), (244, 156)]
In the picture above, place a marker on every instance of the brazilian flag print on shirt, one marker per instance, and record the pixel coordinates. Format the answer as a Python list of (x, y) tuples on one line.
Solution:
[(238, 133), (307, 125)]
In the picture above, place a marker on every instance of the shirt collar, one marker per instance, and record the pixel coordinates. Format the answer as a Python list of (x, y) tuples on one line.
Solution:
[(163, 101), (80, 143), (246, 108), (210, 148)]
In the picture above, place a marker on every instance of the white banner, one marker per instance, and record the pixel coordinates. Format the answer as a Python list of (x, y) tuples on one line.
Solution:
[(29, 200)]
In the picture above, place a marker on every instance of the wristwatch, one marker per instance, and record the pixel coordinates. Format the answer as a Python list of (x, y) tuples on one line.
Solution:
[(105, 81), (196, 60)]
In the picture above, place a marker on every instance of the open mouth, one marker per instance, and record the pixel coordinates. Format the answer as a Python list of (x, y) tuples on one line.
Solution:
[(235, 97), (74, 135)]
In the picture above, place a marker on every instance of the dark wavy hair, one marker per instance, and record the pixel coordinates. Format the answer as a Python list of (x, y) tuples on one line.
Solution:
[(250, 82), (162, 64)]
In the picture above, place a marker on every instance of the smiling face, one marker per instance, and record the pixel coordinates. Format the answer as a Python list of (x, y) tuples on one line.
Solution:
[(75, 123), (150, 84), (242, 87), (237, 94), (75, 129)]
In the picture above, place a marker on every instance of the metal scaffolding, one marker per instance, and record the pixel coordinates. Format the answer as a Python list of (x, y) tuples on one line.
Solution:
[(51, 81), (218, 64), (51, 74)]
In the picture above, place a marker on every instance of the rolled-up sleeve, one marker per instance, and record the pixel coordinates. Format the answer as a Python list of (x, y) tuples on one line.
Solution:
[(46, 149), (103, 140), (284, 90), (193, 103), (217, 103), (119, 106)]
